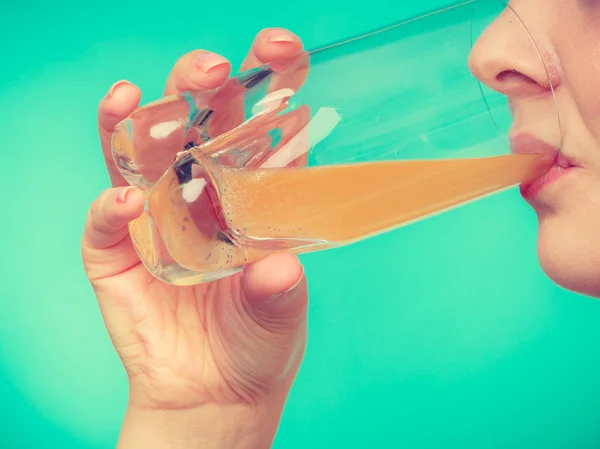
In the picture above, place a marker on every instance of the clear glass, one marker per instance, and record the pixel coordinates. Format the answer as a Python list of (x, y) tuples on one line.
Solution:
[(340, 144)]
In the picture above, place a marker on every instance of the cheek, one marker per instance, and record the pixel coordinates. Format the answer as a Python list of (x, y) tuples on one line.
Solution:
[(585, 90), (579, 55)]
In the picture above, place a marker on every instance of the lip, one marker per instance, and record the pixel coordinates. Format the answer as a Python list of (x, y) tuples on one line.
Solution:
[(560, 164)]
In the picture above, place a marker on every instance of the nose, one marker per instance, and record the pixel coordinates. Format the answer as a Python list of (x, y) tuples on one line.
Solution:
[(506, 59)]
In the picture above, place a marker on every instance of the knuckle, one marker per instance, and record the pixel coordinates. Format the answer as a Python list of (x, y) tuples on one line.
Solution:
[(182, 64), (97, 215)]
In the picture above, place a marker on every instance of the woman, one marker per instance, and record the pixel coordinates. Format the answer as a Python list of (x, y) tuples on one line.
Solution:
[(211, 366)]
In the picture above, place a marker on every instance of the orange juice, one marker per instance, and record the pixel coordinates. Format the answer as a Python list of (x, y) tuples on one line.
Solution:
[(343, 203), (238, 215)]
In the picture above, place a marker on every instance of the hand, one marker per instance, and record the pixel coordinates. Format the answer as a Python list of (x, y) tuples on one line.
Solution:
[(209, 365)]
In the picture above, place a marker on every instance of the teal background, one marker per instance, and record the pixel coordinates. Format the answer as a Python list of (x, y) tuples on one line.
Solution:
[(441, 334)]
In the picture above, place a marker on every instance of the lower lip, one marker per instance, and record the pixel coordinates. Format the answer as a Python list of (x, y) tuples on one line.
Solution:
[(531, 190)]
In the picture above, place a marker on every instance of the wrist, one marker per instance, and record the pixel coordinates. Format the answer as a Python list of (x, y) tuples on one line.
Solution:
[(207, 427)]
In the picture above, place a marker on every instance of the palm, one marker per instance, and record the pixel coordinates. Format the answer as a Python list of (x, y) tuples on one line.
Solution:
[(168, 337), (187, 346)]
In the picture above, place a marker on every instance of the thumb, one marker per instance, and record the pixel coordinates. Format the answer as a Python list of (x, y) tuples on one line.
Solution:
[(275, 292), (262, 331), (106, 247)]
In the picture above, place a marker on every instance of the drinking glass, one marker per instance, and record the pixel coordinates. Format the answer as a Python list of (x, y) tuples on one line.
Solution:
[(333, 146)]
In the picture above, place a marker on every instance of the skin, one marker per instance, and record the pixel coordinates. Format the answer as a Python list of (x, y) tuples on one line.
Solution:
[(211, 366), (568, 210)]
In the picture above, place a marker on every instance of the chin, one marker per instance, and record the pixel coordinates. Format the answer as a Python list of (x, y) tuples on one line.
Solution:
[(569, 252)]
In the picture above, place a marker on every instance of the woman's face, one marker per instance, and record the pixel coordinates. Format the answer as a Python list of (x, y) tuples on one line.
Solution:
[(567, 35)]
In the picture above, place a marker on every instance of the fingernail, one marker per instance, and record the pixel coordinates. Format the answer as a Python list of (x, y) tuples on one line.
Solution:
[(115, 87), (280, 37), (288, 291), (122, 196), (209, 61)]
